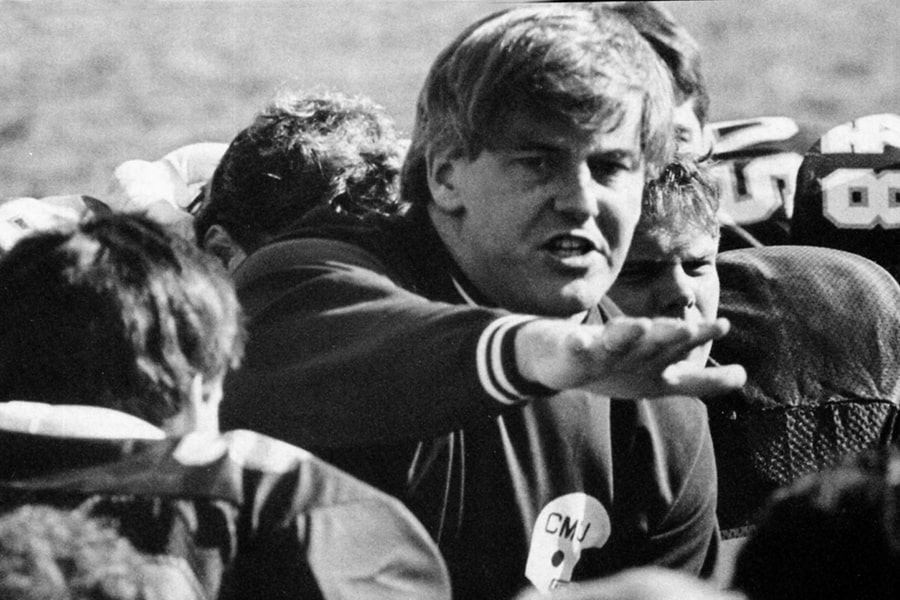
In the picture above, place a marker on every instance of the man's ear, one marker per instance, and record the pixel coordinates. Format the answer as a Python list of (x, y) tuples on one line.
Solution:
[(218, 242), (443, 180)]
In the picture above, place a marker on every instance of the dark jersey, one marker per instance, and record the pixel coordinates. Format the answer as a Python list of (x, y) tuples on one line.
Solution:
[(848, 191), (246, 515), (754, 163), (818, 331), (367, 345)]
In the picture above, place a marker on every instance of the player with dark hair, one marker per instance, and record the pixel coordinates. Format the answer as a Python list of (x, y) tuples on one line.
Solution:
[(834, 534), (114, 341), (462, 356), (168, 316), (681, 54), (303, 151)]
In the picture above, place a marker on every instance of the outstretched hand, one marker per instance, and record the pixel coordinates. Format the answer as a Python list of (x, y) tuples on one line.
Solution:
[(625, 358)]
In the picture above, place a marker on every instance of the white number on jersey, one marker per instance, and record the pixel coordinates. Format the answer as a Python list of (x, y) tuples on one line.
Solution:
[(753, 193), (866, 135), (861, 198)]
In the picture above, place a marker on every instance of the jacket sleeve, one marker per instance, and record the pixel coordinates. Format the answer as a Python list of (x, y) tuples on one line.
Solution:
[(374, 549), (309, 530), (340, 353)]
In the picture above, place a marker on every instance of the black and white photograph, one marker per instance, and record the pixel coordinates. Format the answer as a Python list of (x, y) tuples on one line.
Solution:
[(449, 299)]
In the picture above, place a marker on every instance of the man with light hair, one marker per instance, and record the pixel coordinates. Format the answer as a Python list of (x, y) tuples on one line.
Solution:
[(462, 355)]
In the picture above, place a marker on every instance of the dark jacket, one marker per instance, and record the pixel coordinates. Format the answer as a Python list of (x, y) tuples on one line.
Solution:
[(249, 516), (367, 346)]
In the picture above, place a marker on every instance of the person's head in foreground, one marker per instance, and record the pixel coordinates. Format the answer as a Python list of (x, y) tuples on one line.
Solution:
[(670, 270), (49, 553), (681, 53), (848, 191), (833, 534), (302, 152), (643, 583), (116, 312), (535, 132)]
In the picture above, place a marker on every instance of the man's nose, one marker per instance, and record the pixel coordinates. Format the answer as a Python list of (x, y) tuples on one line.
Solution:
[(676, 294), (578, 192)]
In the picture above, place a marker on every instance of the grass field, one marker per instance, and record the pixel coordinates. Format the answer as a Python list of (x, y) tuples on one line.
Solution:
[(87, 85)]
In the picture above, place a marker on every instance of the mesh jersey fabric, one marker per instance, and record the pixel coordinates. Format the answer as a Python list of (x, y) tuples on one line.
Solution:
[(818, 331)]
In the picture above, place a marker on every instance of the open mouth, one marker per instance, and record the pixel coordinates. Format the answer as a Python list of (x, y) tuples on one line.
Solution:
[(569, 245)]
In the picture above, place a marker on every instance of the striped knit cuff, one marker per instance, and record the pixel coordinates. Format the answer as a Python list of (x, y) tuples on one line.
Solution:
[(496, 362)]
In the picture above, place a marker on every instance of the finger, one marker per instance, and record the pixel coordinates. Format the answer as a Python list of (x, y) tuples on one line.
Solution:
[(665, 334), (679, 344), (622, 335), (687, 379), (644, 339)]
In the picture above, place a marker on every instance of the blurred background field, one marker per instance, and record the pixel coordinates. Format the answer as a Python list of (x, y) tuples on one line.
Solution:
[(86, 85)]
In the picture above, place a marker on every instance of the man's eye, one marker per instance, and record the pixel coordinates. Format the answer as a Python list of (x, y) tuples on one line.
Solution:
[(539, 164), (698, 267), (603, 170)]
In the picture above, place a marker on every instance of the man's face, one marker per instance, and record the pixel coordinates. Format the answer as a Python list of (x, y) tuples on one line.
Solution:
[(688, 131), (671, 276), (542, 224)]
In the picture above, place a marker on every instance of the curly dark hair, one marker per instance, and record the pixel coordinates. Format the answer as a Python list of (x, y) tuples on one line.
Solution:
[(304, 151), (114, 312)]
